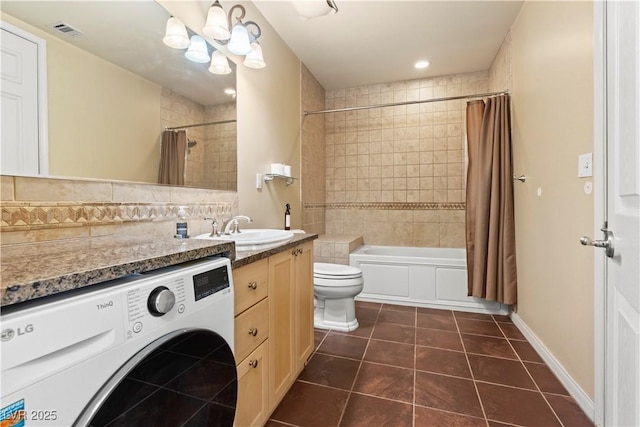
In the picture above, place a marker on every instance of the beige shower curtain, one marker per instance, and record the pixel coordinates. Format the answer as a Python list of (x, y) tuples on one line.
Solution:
[(172, 157), (490, 232)]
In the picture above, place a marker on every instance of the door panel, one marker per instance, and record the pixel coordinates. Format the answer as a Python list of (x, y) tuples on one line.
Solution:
[(20, 145), (622, 369)]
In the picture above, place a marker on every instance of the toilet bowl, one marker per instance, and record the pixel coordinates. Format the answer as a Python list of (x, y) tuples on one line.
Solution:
[(335, 287)]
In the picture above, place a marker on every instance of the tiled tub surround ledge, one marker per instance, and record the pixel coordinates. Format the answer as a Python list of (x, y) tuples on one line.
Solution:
[(335, 248), (34, 270)]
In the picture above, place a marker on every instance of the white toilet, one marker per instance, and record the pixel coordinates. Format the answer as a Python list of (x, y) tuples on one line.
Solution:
[(335, 287)]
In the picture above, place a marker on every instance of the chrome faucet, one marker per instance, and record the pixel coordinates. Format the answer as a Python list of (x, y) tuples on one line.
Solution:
[(233, 222), (215, 228)]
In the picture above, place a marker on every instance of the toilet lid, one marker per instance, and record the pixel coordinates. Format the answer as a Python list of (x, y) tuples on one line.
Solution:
[(337, 271)]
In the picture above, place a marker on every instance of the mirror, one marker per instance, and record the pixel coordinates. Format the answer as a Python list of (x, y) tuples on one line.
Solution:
[(114, 88)]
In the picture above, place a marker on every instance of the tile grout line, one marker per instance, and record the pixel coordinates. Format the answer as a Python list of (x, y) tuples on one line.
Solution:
[(355, 378), (535, 383), (473, 378)]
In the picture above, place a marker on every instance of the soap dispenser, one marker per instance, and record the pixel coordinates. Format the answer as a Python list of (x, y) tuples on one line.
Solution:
[(182, 227)]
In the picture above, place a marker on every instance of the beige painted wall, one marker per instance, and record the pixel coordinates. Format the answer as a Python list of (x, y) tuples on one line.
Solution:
[(85, 113), (269, 123), (552, 92)]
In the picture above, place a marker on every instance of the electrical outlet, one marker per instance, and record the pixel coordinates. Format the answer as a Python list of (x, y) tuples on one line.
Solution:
[(585, 165)]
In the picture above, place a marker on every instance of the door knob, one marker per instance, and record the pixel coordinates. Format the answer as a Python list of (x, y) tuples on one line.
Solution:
[(607, 243)]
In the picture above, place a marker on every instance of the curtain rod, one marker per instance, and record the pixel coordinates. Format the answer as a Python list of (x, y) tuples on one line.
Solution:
[(394, 104), (199, 124)]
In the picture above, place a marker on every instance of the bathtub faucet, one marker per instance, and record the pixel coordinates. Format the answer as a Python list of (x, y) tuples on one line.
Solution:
[(233, 222)]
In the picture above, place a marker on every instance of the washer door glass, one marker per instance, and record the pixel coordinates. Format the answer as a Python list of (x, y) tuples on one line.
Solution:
[(190, 380)]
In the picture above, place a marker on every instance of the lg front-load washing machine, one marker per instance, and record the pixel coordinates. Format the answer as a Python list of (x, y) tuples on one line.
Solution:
[(153, 349)]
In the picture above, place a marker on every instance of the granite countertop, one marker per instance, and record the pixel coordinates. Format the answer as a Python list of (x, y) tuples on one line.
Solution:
[(34, 270)]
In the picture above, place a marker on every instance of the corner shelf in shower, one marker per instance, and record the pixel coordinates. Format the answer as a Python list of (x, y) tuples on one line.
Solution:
[(268, 177)]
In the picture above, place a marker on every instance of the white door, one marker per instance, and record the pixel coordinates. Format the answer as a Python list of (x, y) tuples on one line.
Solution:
[(622, 330), (23, 134)]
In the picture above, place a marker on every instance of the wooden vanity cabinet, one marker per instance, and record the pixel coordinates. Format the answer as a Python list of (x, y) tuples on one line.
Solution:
[(273, 329)]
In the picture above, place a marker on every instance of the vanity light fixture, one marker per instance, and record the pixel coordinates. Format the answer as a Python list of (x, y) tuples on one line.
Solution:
[(176, 34), (240, 40)]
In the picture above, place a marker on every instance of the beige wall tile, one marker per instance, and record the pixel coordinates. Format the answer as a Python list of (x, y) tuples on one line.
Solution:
[(426, 235), (6, 188), (452, 235), (43, 235), (50, 189), (142, 193)]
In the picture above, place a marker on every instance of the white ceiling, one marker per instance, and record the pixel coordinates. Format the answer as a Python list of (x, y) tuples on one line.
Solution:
[(370, 42), (128, 34)]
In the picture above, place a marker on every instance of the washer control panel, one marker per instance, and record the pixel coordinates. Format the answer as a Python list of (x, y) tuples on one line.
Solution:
[(164, 296)]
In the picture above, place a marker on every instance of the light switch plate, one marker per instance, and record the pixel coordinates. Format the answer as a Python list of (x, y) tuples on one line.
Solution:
[(585, 165)]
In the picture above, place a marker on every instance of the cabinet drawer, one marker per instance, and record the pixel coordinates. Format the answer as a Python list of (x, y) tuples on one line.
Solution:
[(250, 284), (253, 398), (252, 327)]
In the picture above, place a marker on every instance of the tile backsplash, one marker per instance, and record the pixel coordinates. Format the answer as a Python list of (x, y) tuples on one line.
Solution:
[(38, 209)]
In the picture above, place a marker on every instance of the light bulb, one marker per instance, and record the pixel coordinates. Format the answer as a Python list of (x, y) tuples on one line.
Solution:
[(254, 58), (219, 63), (239, 42), (198, 51), (216, 26), (176, 34)]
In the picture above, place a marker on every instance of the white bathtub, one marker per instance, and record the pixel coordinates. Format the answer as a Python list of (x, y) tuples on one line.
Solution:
[(424, 277)]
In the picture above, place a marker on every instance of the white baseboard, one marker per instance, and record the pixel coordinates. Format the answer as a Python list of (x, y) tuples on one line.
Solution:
[(582, 398)]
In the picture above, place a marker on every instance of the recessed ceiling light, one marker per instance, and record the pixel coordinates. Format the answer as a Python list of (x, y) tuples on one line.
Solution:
[(421, 64)]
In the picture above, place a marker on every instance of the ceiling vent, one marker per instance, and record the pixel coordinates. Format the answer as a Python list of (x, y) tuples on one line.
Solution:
[(65, 29)]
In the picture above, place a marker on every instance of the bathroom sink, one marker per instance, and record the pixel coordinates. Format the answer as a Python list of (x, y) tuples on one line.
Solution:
[(251, 239)]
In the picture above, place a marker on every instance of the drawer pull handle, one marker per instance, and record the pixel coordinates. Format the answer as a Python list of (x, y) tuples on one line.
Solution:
[(253, 332), (253, 363), (253, 285)]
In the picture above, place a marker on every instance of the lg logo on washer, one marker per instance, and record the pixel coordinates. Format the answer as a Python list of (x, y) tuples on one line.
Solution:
[(8, 334)]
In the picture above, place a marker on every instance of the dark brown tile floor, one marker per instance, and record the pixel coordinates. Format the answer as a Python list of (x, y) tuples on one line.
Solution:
[(414, 367)]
